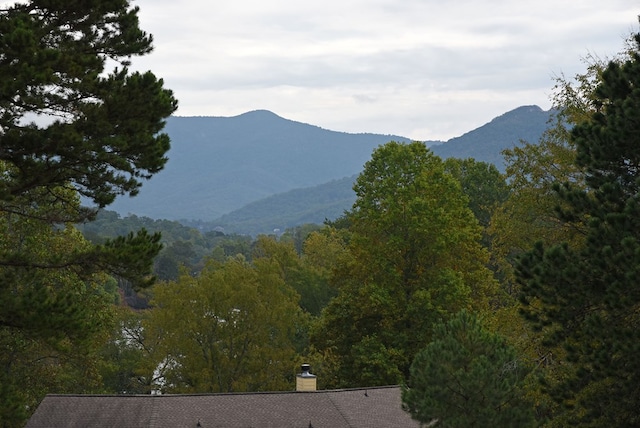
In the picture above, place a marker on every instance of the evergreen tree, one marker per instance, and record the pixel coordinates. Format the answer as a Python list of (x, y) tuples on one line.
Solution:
[(467, 377), (530, 214), (587, 298), (52, 320), (103, 126), (70, 126)]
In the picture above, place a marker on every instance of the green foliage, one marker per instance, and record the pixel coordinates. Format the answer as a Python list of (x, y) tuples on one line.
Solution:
[(414, 258), (298, 235), (126, 363), (53, 319), (467, 376), (55, 301), (105, 135), (530, 213), (180, 253), (486, 189), (586, 297), (98, 135), (149, 351), (102, 135), (231, 328), (108, 224), (300, 273), (42, 269), (322, 252), (483, 184), (182, 246)]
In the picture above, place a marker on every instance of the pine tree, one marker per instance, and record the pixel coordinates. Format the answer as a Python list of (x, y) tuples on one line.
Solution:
[(587, 298), (74, 122), (465, 377), (102, 132), (71, 126)]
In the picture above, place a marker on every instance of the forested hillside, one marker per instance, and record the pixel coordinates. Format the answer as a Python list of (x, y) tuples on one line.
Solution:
[(290, 209), (486, 143), (218, 165), (330, 200)]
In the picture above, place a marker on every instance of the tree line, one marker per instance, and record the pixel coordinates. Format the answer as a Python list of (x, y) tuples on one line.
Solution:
[(493, 299)]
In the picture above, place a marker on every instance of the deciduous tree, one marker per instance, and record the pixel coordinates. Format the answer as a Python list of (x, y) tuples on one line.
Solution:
[(530, 212), (415, 258), (483, 184), (231, 328)]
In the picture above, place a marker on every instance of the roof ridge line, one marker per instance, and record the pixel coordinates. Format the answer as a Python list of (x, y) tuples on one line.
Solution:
[(319, 391)]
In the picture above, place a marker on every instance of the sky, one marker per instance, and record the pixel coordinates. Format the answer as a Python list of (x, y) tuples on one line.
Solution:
[(421, 69)]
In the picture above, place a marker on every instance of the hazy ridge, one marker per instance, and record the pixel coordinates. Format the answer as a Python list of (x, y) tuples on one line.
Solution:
[(258, 171)]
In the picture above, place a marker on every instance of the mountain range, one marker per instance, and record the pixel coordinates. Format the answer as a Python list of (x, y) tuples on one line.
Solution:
[(257, 171)]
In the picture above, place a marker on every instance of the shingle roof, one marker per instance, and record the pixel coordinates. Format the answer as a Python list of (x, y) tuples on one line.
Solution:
[(371, 408)]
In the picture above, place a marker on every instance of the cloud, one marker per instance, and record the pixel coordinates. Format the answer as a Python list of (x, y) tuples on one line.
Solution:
[(364, 99), (423, 69)]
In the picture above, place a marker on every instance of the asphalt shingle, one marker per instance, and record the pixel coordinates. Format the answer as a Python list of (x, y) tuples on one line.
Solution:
[(367, 408)]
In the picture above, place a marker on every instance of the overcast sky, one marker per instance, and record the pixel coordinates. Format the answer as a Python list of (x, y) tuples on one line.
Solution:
[(422, 69)]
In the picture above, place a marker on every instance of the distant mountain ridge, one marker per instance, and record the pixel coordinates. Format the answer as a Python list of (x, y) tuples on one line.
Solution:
[(219, 164), (486, 143), (257, 171), (295, 207)]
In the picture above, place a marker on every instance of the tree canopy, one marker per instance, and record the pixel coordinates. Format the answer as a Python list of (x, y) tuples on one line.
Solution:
[(231, 328), (586, 297), (392, 292), (74, 122), (467, 376), (415, 257), (102, 132)]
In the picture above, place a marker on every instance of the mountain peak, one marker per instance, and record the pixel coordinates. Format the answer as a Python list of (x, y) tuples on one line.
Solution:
[(520, 112), (259, 114), (486, 143)]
